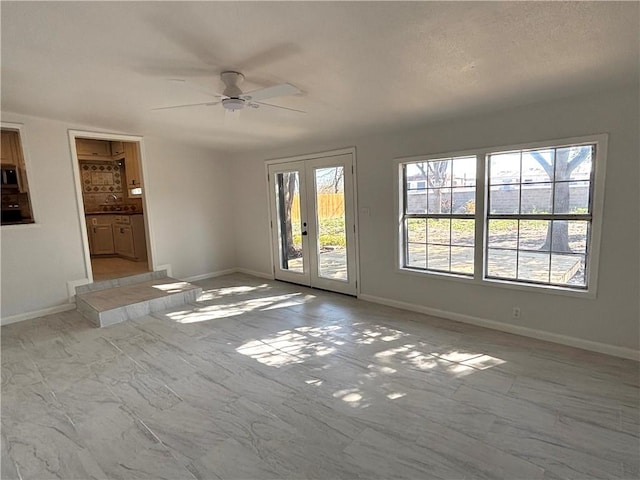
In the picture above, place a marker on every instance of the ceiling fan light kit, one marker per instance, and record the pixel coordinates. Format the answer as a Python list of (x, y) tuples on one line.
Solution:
[(233, 103)]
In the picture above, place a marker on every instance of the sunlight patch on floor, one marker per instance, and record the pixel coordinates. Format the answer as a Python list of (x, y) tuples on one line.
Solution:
[(226, 291), (214, 312), (351, 396), (175, 287)]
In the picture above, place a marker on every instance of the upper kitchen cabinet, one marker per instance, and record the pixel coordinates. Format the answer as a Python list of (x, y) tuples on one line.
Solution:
[(132, 168), (93, 149), (10, 143), (117, 150)]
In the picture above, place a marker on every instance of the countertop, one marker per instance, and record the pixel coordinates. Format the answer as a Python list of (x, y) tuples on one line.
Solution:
[(121, 212)]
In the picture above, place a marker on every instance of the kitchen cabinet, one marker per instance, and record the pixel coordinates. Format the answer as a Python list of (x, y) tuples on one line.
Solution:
[(132, 169), (129, 237), (100, 232), (93, 149), (123, 240), (10, 148), (122, 235), (117, 150), (101, 240)]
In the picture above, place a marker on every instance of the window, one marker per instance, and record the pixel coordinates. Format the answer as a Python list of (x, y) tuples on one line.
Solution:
[(536, 216), (438, 216), (16, 201), (538, 226)]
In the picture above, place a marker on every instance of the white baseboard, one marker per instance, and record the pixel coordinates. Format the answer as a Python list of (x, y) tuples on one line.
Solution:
[(37, 313), (605, 348), (71, 287), (166, 267), (204, 276), (255, 273)]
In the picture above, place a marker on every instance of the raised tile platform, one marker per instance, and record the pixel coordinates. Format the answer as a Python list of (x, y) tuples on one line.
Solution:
[(115, 301)]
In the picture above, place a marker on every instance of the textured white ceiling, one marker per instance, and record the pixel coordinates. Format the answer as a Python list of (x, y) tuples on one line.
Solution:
[(362, 66)]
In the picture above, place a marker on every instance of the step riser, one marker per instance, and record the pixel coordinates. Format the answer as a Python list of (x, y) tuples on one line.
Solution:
[(122, 299), (136, 310), (121, 282)]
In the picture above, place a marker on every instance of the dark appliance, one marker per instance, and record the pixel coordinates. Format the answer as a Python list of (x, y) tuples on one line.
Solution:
[(9, 177)]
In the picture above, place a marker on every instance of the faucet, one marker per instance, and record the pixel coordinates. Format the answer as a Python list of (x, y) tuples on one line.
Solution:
[(115, 198)]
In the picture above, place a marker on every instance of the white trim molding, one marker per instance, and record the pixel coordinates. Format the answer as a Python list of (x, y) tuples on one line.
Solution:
[(138, 140), (37, 313), (608, 349), (204, 276), (166, 267), (254, 273)]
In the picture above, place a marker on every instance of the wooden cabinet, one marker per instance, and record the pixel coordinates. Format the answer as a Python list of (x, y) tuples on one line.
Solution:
[(117, 150), (123, 235), (100, 234), (123, 240), (10, 144), (132, 168), (101, 242), (93, 149)]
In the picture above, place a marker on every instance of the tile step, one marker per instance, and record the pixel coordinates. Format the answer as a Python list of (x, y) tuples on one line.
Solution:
[(117, 304), (121, 282)]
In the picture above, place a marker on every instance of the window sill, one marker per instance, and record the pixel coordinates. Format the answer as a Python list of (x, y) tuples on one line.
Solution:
[(503, 284)]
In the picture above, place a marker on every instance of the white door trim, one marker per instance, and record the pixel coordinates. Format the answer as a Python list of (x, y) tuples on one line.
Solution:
[(354, 186), (73, 134), (313, 156)]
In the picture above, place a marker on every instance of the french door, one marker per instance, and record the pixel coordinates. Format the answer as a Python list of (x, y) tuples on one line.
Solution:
[(313, 222)]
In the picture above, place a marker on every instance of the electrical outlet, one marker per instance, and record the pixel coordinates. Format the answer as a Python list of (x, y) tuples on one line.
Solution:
[(516, 313)]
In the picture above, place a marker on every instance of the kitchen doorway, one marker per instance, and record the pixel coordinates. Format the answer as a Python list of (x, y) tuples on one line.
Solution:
[(313, 221), (111, 204)]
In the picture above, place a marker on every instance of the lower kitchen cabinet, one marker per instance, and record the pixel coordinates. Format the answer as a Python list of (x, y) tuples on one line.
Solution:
[(101, 240), (123, 240), (122, 235)]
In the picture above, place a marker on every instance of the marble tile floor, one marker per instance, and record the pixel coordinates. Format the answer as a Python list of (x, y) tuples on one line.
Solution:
[(260, 379)]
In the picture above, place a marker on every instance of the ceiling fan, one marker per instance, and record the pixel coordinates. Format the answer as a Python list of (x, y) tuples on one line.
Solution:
[(233, 98)]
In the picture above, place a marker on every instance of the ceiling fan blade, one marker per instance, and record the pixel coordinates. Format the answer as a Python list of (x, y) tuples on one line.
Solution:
[(268, 56), (193, 86), (271, 92), (208, 104), (278, 106)]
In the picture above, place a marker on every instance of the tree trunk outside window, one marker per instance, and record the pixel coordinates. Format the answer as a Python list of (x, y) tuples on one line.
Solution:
[(566, 161)]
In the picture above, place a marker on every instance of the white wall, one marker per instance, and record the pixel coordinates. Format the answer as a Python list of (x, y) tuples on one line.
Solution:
[(188, 191), (191, 212), (612, 318)]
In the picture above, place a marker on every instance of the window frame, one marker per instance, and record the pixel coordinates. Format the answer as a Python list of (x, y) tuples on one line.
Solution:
[(481, 217), (427, 216)]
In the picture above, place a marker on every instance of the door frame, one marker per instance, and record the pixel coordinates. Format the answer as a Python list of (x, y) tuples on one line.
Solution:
[(354, 186), (75, 164)]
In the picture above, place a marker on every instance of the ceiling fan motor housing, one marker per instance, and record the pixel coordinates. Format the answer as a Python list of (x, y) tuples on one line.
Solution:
[(232, 91)]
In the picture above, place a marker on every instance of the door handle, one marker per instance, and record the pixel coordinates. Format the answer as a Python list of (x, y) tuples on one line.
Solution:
[(304, 233)]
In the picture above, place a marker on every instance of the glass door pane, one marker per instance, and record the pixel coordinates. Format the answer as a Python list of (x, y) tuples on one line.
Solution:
[(331, 245), (287, 189)]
